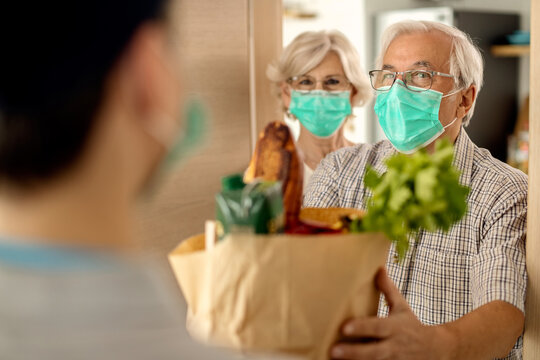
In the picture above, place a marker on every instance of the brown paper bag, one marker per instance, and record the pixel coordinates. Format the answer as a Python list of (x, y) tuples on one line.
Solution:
[(278, 293)]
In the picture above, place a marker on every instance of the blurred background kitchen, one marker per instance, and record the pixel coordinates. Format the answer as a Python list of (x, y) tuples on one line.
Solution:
[(230, 44)]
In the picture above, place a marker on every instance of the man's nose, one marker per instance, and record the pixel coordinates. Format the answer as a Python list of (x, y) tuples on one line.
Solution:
[(401, 77)]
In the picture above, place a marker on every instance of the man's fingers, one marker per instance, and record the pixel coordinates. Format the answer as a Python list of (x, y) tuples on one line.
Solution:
[(395, 300), (371, 351), (371, 327)]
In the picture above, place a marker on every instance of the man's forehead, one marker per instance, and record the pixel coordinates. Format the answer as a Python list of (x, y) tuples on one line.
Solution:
[(429, 50), (425, 64)]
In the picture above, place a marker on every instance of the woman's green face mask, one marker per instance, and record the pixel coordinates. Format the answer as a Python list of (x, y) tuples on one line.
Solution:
[(321, 112)]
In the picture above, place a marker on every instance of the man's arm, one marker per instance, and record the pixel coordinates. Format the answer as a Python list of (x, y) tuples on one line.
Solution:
[(485, 333)]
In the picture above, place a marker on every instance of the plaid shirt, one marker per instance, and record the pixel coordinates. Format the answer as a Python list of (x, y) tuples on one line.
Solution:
[(446, 275)]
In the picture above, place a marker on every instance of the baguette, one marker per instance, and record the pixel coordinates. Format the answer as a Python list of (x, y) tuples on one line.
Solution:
[(276, 159)]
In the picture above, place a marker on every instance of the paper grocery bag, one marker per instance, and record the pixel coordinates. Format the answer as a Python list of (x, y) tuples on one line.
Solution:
[(278, 293)]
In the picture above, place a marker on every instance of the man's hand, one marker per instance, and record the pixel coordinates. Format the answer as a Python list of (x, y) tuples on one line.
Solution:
[(399, 336)]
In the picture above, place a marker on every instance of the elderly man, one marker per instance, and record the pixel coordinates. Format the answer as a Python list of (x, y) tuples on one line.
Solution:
[(456, 295)]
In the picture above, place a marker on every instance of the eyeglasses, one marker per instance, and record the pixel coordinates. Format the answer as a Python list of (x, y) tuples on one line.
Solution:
[(414, 80), (331, 83)]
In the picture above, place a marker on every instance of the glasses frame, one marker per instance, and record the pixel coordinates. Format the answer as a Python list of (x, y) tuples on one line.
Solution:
[(293, 78), (403, 74)]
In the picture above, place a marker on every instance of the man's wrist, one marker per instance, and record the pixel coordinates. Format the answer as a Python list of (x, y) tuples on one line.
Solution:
[(444, 342)]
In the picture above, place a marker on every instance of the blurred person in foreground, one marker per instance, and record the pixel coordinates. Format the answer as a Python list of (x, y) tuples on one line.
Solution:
[(456, 295), (90, 108), (319, 80)]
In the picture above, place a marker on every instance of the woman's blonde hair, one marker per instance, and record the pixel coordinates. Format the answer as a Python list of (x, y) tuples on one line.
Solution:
[(308, 49)]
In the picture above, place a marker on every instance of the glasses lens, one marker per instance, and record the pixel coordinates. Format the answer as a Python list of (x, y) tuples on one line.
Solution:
[(330, 83), (336, 82), (419, 79), (304, 82), (382, 80)]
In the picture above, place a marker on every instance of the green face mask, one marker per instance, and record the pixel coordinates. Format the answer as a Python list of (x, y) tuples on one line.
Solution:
[(189, 138), (321, 112), (410, 120)]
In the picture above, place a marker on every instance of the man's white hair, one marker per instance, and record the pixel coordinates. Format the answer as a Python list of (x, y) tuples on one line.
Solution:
[(308, 49), (466, 62)]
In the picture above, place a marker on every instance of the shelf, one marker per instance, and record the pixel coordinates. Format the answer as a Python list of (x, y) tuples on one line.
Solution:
[(510, 50)]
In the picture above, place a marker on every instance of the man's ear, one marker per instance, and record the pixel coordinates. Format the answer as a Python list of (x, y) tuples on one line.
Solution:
[(150, 71), (285, 94), (466, 101)]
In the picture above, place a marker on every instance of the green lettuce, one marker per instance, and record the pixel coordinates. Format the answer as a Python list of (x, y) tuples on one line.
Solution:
[(418, 192)]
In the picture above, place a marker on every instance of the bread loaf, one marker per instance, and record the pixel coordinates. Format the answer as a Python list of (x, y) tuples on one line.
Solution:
[(276, 159)]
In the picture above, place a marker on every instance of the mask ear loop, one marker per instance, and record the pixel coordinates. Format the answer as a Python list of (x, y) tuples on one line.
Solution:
[(158, 132), (448, 125), (452, 93)]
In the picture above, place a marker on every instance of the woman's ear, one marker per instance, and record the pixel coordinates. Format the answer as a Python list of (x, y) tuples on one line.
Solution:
[(466, 101), (354, 91), (285, 94)]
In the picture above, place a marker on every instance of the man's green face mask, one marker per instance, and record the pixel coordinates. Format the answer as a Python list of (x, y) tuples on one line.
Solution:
[(321, 112), (180, 146), (191, 137), (409, 119)]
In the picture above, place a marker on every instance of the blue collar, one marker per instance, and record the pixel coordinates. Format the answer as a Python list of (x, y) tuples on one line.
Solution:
[(40, 257)]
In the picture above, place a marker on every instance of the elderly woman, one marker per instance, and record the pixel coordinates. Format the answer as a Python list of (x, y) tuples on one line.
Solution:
[(319, 79)]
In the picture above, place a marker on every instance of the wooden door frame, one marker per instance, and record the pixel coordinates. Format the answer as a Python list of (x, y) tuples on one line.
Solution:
[(532, 319), (265, 45)]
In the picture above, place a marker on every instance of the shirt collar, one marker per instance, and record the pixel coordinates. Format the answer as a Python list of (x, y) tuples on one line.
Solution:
[(464, 157), (39, 257)]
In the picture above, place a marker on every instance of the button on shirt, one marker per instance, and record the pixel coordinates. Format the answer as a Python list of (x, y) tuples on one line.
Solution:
[(446, 275)]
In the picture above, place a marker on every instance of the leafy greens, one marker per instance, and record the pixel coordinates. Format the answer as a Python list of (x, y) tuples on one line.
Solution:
[(418, 192)]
